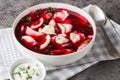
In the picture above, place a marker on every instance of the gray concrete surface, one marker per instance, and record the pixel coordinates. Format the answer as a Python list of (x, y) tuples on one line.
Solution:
[(107, 70)]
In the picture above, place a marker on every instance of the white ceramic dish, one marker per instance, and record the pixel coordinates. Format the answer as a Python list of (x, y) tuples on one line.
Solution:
[(27, 60), (60, 59)]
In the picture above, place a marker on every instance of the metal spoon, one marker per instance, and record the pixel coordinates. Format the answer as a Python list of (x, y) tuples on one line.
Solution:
[(100, 19)]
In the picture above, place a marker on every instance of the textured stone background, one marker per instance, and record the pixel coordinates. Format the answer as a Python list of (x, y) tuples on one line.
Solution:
[(9, 9), (108, 70)]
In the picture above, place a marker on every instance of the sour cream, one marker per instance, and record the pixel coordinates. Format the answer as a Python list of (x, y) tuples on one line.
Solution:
[(27, 71)]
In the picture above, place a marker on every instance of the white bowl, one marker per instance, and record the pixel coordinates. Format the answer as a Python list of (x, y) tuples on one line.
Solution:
[(56, 59), (27, 60)]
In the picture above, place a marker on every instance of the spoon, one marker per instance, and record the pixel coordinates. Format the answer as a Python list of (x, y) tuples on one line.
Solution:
[(100, 19)]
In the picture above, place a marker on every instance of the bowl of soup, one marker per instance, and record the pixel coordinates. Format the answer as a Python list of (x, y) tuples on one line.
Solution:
[(55, 33)]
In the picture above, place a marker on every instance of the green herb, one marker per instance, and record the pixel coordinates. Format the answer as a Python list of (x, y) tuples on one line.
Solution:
[(18, 73), (33, 71), (22, 19), (48, 14), (29, 18), (37, 74), (26, 71), (37, 65), (89, 26), (28, 77), (22, 68), (28, 67), (87, 41), (53, 10), (58, 38)]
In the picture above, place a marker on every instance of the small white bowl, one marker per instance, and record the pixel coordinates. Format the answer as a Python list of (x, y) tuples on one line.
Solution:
[(56, 59), (27, 60)]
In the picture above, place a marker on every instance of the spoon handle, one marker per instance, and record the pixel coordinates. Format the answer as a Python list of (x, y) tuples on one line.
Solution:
[(111, 49)]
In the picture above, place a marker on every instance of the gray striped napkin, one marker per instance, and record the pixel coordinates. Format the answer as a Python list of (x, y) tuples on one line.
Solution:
[(9, 53)]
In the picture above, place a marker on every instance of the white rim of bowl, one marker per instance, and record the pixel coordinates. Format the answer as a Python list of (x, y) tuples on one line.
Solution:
[(47, 5)]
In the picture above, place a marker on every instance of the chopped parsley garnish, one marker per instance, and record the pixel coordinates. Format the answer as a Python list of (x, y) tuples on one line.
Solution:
[(48, 14), (53, 10), (29, 18), (28, 67), (37, 74), (28, 77), (22, 68), (36, 64), (26, 70), (18, 73)]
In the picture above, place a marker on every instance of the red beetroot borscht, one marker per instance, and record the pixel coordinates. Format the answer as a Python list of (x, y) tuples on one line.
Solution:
[(54, 31)]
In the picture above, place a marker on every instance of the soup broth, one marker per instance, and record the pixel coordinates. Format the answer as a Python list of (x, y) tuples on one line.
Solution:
[(54, 31)]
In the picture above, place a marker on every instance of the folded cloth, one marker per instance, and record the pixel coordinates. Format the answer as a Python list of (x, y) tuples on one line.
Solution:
[(10, 53)]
